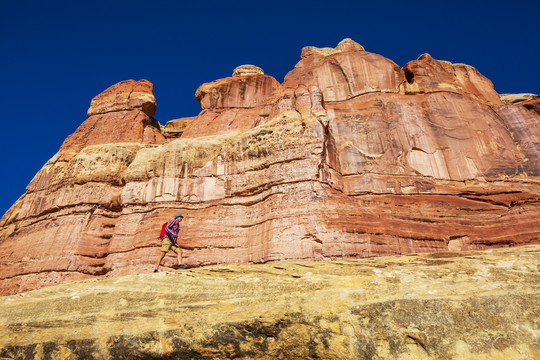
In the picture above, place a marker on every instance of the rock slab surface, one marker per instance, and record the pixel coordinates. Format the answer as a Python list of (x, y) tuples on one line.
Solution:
[(449, 305)]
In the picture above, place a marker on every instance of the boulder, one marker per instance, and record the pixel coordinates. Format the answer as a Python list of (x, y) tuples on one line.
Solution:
[(516, 98), (247, 70)]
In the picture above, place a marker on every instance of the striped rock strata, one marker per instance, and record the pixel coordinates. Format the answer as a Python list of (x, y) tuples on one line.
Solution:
[(351, 156)]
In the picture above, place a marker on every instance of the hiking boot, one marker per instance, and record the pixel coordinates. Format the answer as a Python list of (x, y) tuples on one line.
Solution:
[(180, 267)]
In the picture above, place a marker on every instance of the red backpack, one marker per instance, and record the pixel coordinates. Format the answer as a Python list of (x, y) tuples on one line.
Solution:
[(163, 230)]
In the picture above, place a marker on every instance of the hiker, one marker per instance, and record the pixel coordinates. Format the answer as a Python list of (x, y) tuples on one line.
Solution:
[(169, 241)]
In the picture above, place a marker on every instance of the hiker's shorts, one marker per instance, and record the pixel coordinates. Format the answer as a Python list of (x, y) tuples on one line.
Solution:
[(167, 244)]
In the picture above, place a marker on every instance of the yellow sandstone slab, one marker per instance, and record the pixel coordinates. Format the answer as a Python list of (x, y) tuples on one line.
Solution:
[(463, 305)]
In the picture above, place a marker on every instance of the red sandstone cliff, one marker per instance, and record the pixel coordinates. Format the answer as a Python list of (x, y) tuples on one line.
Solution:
[(352, 156)]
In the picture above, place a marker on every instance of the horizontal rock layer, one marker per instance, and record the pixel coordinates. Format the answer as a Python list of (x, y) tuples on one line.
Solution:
[(462, 305), (352, 156)]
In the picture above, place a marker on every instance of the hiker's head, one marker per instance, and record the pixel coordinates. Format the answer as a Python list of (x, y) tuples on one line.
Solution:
[(179, 217)]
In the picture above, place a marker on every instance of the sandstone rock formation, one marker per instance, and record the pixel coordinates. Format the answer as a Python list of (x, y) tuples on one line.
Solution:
[(532, 104), (176, 127), (450, 305), (351, 156), (247, 70), (529, 101), (235, 103), (121, 114), (427, 75), (516, 98)]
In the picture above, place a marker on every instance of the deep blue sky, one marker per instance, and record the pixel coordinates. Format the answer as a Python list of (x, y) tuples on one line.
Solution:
[(55, 56)]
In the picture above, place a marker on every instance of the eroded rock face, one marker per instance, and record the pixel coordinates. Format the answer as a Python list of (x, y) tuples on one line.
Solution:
[(125, 96), (352, 156), (427, 75), (532, 104), (236, 103), (344, 73), (120, 114), (450, 305), (529, 101)]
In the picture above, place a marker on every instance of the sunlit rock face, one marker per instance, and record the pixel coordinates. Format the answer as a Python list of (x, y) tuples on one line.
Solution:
[(351, 156), (236, 103), (120, 114), (529, 101)]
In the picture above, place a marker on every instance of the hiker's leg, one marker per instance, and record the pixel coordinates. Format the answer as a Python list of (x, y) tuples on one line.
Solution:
[(178, 252), (161, 256)]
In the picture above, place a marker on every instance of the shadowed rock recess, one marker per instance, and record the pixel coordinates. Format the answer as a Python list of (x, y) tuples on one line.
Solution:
[(351, 156), (449, 305)]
